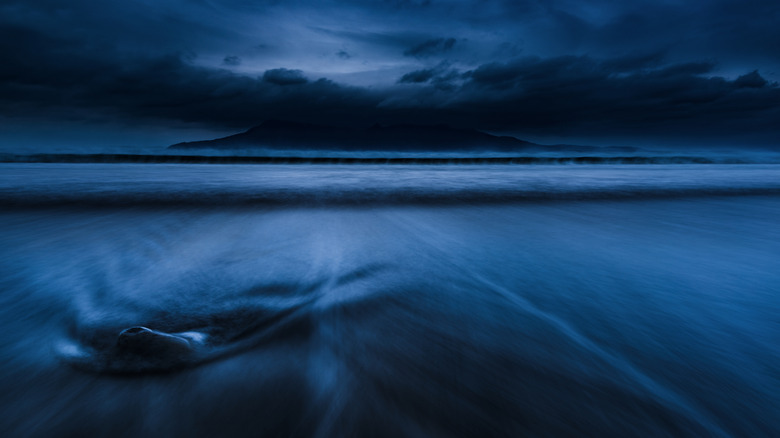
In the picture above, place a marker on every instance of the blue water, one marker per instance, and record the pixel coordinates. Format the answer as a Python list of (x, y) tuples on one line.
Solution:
[(407, 301)]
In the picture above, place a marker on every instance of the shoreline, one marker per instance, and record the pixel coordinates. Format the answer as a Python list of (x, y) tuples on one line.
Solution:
[(248, 159)]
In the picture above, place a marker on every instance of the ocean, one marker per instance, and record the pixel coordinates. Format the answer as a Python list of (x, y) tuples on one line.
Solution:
[(327, 300)]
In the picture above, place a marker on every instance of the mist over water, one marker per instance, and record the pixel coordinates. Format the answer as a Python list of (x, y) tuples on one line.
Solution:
[(334, 301), (112, 184)]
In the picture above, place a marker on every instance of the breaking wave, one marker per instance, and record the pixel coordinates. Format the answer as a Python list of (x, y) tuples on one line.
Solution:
[(279, 185)]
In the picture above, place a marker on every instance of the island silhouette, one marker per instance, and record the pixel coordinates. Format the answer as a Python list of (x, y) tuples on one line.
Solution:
[(282, 134)]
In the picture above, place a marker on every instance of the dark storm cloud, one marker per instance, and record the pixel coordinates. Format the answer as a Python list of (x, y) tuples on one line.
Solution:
[(634, 62), (687, 68), (441, 77), (232, 60), (751, 80), (644, 68), (283, 76), (581, 94), (49, 80), (396, 40), (431, 47), (417, 76), (568, 94), (727, 29)]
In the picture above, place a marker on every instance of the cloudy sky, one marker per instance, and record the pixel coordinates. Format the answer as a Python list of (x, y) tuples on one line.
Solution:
[(155, 72)]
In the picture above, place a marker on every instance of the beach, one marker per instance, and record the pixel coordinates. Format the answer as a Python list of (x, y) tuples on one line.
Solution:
[(448, 301)]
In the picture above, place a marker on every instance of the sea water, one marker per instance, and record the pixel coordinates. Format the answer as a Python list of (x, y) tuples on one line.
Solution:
[(393, 300)]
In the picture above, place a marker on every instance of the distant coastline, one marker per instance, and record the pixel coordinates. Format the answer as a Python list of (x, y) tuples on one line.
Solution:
[(217, 159), (284, 134)]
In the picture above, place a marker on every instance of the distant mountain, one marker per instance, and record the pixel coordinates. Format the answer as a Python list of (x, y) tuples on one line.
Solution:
[(278, 134)]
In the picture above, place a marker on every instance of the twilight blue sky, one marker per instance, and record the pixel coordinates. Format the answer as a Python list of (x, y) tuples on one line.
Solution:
[(154, 72)]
